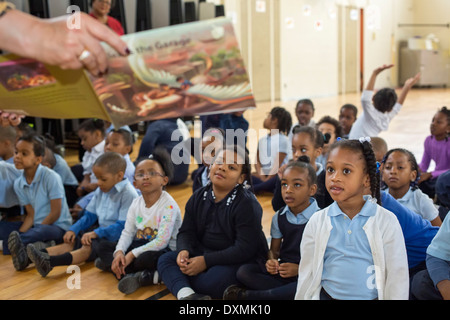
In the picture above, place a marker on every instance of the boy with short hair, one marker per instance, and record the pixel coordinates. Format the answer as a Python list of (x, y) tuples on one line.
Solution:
[(108, 208)]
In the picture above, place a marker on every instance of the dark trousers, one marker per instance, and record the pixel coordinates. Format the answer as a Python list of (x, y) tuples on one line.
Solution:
[(40, 232), (263, 186), (146, 261), (423, 288), (212, 281), (265, 286)]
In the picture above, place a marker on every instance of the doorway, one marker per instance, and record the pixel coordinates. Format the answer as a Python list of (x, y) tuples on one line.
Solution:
[(351, 49)]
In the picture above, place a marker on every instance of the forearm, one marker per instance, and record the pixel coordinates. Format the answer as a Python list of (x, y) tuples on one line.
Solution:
[(14, 26), (371, 84), (28, 221), (55, 212)]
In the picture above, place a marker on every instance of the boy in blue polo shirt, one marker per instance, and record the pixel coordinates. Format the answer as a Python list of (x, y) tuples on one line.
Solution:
[(41, 192), (434, 283), (103, 220), (8, 174)]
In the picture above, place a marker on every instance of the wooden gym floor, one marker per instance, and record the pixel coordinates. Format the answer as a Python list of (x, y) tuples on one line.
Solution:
[(408, 130)]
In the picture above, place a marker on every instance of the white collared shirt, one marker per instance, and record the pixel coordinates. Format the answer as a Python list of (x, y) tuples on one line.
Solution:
[(89, 158)]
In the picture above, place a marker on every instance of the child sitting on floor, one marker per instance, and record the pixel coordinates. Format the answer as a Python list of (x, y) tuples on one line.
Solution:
[(400, 174), (150, 230), (103, 219), (277, 280), (40, 190)]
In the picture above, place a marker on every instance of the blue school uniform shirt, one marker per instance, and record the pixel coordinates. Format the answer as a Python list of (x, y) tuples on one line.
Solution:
[(438, 254), (418, 232), (300, 218), (62, 168), (46, 186), (109, 209), (8, 174), (440, 245), (348, 258)]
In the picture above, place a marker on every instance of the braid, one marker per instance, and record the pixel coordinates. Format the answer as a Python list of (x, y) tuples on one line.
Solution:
[(371, 163), (372, 170)]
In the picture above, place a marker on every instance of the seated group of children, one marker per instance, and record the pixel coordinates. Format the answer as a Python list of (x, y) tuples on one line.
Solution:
[(353, 219)]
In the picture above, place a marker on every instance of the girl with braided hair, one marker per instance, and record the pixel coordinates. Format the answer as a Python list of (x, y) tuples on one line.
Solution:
[(400, 175), (353, 249), (273, 149)]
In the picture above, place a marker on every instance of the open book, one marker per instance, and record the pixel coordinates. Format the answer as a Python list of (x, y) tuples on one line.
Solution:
[(184, 70)]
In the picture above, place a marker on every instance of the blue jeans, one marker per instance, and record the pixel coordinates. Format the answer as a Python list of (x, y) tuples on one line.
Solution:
[(40, 232), (213, 281)]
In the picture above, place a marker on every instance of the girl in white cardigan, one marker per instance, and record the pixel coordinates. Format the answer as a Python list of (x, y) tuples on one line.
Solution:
[(353, 249)]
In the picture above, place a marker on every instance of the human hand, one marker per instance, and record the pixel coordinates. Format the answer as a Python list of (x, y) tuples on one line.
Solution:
[(182, 258), (51, 41), (194, 266), (412, 81), (10, 119), (424, 177), (382, 68), (288, 270), (86, 240), (118, 264), (272, 266), (69, 237)]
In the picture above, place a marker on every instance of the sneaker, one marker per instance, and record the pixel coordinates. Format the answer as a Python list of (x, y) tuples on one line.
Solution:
[(130, 283), (234, 292), (18, 252), (41, 260), (196, 296), (98, 263)]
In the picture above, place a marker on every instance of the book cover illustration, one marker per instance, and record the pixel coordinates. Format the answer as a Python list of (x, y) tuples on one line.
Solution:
[(184, 70)]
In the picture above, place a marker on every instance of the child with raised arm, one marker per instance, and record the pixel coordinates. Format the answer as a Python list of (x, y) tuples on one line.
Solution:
[(400, 174), (150, 230), (104, 218), (221, 230), (277, 280), (381, 108), (353, 249), (40, 190)]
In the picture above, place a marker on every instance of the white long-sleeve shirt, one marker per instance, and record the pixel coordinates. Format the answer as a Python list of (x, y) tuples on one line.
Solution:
[(158, 224), (371, 122), (388, 249)]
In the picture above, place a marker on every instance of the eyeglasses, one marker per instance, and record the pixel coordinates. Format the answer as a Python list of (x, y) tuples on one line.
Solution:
[(151, 174)]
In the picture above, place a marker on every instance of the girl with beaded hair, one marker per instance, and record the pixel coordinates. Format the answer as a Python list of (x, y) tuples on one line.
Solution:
[(354, 248)]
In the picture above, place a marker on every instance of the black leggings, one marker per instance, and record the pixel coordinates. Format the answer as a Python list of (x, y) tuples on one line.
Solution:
[(146, 261)]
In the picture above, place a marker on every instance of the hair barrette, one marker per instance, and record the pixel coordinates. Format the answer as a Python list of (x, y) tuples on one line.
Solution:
[(378, 167), (364, 139)]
